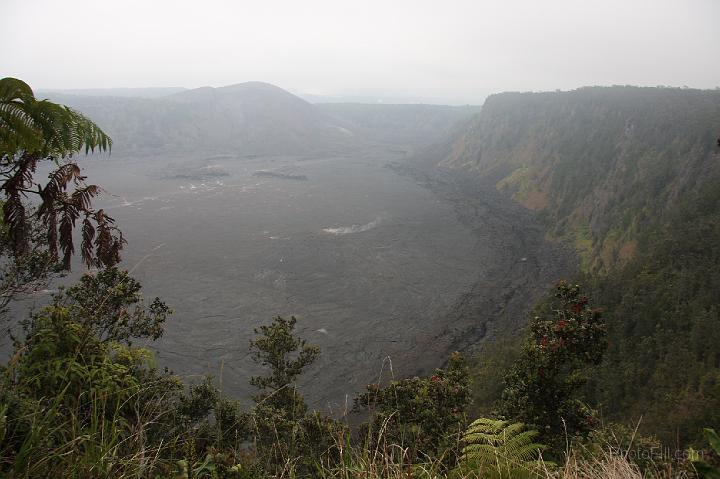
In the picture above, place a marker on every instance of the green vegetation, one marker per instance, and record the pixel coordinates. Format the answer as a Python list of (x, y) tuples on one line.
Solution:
[(662, 308), (629, 178), (496, 448), (599, 164), (426, 414), (703, 468), (78, 399), (282, 429), (32, 131), (36, 236), (76, 396), (541, 387)]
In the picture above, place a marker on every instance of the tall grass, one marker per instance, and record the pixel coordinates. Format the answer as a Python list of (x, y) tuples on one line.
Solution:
[(613, 465), (95, 443), (106, 446)]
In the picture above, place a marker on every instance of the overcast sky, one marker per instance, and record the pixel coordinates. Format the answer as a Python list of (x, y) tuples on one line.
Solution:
[(441, 50)]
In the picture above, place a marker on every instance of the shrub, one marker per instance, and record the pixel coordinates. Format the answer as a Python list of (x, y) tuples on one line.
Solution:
[(426, 416), (542, 387), (285, 435)]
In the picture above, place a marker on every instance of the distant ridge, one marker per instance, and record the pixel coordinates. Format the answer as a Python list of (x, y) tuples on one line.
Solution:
[(245, 118), (148, 92), (410, 125), (253, 118)]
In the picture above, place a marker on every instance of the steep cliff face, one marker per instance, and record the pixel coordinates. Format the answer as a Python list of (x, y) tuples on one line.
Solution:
[(598, 163), (631, 177)]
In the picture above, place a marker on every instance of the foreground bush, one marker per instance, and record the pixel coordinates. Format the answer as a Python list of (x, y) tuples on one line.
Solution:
[(424, 416), (542, 388)]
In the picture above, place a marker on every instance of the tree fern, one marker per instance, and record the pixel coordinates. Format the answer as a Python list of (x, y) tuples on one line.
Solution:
[(32, 131), (43, 128), (500, 448)]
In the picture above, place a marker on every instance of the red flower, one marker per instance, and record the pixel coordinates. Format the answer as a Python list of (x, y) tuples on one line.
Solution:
[(435, 379)]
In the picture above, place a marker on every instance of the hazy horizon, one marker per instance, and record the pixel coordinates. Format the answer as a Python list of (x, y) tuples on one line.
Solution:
[(417, 51)]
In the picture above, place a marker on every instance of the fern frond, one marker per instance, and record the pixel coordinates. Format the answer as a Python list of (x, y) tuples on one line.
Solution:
[(43, 128), (505, 448)]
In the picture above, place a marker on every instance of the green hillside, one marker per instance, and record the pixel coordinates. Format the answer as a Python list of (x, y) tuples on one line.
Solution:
[(629, 177), (598, 163), (663, 363)]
